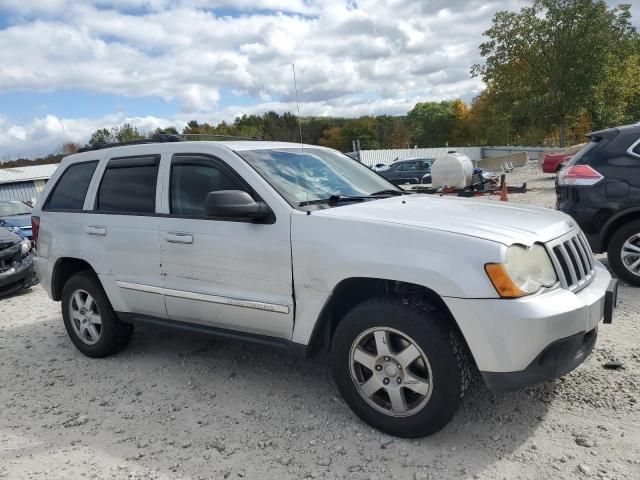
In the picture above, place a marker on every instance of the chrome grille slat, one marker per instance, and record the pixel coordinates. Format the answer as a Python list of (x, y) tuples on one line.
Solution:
[(583, 255), (587, 249), (577, 262), (573, 260), (567, 260)]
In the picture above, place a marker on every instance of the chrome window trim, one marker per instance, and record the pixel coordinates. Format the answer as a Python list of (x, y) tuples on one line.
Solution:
[(630, 149)]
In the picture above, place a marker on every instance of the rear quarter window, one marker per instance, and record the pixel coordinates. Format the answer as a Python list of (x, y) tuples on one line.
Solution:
[(70, 191), (582, 156)]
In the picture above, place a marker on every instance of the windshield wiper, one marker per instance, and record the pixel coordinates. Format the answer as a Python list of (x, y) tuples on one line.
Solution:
[(388, 192), (334, 199)]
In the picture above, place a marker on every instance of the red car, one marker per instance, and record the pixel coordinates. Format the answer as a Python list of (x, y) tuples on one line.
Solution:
[(553, 162)]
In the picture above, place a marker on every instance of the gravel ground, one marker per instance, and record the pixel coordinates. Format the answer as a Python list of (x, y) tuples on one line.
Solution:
[(176, 406)]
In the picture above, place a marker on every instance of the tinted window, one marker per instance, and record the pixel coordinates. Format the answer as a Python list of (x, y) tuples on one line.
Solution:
[(192, 178), (408, 166), (636, 150), (129, 186), (69, 192)]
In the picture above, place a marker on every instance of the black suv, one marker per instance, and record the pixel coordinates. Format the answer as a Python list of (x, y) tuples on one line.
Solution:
[(600, 189)]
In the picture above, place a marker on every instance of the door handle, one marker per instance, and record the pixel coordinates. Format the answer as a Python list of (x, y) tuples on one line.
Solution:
[(176, 237), (96, 230)]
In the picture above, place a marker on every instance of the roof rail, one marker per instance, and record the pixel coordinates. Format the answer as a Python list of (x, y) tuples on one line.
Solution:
[(215, 135), (161, 138)]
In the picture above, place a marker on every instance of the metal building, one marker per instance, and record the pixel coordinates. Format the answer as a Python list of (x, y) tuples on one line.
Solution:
[(24, 183)]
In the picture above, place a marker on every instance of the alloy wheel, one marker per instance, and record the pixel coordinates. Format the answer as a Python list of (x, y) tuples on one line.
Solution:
[(630, 254), (85, 317), (390, 371)]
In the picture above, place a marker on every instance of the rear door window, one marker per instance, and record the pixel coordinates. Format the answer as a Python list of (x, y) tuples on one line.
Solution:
[(71, 189), (408, 166), (129, 186)]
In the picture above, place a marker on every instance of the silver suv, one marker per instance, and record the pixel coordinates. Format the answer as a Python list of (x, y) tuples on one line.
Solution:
[(303, 248)]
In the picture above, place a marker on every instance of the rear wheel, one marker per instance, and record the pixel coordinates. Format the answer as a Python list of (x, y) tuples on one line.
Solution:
[(399, 366), (89, 319), (624, 253)]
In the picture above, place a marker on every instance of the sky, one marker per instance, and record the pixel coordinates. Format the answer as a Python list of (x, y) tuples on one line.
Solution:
[(70, 67)]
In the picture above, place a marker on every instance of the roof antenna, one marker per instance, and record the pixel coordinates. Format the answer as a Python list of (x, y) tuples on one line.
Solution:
[(295, 87)]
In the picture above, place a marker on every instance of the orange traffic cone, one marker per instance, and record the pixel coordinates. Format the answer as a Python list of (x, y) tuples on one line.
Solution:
[(503, 192)]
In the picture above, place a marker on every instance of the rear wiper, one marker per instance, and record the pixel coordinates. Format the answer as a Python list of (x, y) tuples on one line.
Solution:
[(333, 199)]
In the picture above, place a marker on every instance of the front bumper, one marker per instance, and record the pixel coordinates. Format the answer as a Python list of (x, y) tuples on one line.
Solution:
[(530, 340), (20, 276)]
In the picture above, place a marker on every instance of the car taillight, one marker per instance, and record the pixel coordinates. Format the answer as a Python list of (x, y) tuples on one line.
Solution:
[(35, 229), (579, 175)]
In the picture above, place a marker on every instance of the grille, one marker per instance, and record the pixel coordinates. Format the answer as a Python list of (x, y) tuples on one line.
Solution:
[(8, 257), (573, 260)]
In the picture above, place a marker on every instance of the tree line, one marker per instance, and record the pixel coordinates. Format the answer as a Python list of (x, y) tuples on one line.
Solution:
[(553, 71)]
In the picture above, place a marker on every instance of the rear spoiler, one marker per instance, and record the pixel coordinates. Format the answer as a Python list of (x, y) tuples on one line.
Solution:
[(600, 134)]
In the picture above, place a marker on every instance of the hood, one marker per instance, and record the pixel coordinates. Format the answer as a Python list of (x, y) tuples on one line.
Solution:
[(505, 223), (8, 237), (17, 221)]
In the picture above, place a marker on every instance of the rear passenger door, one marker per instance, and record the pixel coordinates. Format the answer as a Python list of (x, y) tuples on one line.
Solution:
[(122, 228)]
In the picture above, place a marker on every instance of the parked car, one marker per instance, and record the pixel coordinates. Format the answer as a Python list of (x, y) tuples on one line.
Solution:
[(553, 162), (600, 189), (278, 244), (413, 170), (378, 167), (16, 216), (16, 263)]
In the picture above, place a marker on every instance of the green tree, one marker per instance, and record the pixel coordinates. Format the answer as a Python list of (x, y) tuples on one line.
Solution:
[(102, 135), (334, 138), (126, 133), (545, 61), (363, 129), (432, 123)]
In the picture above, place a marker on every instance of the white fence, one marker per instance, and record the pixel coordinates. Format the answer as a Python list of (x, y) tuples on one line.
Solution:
[(374, 157), (535, 153)]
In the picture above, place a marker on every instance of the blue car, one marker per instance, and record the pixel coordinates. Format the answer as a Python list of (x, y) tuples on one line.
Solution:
[(15, 216)]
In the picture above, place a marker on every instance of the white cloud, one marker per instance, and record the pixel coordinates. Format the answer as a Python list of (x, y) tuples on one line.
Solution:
[(397, 52), (44, 135)]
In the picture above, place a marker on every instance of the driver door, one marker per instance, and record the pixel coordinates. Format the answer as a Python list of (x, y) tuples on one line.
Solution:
[(220, 272)]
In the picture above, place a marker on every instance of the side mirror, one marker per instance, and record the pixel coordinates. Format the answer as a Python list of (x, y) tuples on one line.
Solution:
[(234, 204)]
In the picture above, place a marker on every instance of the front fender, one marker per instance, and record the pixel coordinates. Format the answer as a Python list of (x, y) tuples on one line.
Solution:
[(327, 251)]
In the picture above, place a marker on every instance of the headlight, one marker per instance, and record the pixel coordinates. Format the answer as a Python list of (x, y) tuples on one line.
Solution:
[(525, 272), (26, 246)]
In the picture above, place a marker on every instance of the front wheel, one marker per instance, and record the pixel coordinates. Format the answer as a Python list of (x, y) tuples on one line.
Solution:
[(624, 253), (399, 366)]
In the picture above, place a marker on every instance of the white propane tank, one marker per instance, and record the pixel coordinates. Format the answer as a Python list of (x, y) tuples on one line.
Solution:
[(453, 170)]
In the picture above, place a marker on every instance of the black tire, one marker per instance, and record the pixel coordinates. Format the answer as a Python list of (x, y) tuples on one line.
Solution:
[(614, 252), (114, 334), (432, 332)]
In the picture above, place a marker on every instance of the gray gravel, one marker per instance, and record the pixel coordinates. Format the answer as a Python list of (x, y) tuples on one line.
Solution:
[(177, 406)]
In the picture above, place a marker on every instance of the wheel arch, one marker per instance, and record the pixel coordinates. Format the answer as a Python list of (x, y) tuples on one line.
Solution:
[(351, 291), (63, 270), (617, 221)]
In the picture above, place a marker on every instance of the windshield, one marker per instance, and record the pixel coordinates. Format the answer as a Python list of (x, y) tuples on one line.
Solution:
[(303, 176), (13, 207)]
